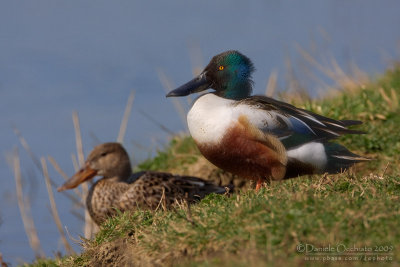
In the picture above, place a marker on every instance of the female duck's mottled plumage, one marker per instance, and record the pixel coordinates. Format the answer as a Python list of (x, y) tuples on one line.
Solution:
[(120, 190), (257, 137)]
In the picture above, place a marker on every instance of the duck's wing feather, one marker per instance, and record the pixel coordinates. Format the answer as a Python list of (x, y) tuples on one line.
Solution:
[(294, 126), (151, 187)]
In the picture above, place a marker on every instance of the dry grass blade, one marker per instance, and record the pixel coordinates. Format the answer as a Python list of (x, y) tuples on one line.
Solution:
[(25, 145), (161, 203), (32, 155), (392, 101), (125, 118), (57, 167), (24, 209), (95, 139), (89, 227), (360, 75), (384, 171), (395, 98), (342, 78), (54, 210), (75, 162), (78, 215), (293, 84), (185, 206), (196, 58), (308, 57), (168, 87), (35, 159), (160, 125), (323, 88), (78, 138), (271, 85)]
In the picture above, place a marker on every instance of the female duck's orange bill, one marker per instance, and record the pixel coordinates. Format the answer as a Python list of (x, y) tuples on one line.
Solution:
[(81, 176)]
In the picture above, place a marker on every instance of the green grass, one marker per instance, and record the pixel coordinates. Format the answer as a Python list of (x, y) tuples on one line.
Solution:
[(269, 224), (181, 153), (358, 209), (45, 263)]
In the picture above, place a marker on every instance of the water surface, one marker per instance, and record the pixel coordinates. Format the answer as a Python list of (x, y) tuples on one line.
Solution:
[(60, 56)]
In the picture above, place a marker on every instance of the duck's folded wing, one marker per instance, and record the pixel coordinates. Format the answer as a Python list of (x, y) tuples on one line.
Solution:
[(197, 188), (293, 126), (152, 186)]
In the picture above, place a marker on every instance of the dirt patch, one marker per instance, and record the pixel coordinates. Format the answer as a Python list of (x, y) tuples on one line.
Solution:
[(116, 253)]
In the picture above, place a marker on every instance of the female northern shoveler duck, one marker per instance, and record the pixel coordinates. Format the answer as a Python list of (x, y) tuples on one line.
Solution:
[(257, 137), (121, 190)]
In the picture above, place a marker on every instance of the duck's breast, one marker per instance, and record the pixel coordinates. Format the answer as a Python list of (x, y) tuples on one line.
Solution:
[(211, 116)]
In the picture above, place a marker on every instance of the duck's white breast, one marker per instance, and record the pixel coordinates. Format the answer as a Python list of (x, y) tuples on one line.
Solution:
[(211, 116)]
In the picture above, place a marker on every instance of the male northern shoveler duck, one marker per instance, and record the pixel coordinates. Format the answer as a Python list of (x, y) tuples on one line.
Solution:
[(257, 137), (121, 190)]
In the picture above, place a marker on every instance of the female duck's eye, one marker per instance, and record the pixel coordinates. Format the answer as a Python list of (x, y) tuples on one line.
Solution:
[(103, 154), (221, 67)]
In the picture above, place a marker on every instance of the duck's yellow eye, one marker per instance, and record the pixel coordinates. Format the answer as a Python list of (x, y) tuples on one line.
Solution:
[(221, 67)]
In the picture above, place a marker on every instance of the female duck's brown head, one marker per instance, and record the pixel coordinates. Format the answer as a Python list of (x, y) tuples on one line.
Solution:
[(109, 160)]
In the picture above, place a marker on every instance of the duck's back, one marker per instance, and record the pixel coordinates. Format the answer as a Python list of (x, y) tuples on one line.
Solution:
[(146, 190), (155, 189)]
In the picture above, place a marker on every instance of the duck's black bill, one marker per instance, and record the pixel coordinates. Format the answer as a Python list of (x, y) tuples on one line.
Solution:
[(198, 84)]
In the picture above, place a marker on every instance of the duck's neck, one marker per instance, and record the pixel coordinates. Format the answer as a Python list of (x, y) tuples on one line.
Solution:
[(236, 90), (119, 174)]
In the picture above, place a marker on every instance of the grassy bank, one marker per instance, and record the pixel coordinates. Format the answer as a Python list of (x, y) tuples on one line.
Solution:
[(355, 210)]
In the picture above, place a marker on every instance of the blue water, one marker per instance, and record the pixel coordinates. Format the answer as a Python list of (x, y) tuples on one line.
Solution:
[(60, 56)]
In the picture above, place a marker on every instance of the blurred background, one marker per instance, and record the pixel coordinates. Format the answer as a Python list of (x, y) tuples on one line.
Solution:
[(57, 57)]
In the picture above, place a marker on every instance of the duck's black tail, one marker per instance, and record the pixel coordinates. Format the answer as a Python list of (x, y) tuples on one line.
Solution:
[(340, 158)]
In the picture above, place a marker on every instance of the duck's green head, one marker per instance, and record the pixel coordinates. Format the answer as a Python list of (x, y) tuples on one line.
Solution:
[(228, 73)]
